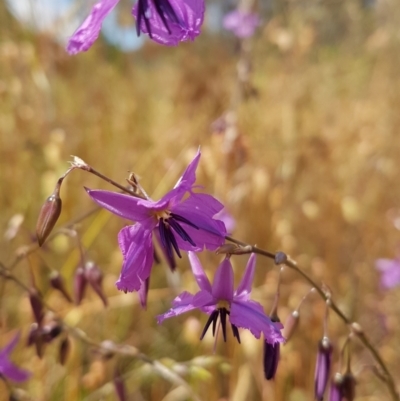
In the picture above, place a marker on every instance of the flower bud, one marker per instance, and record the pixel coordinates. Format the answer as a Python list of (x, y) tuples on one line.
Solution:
[(36, 304), (94, 276), (64, 350), (57, 282), (271, 359), (322, 368), (348, 387), (35, 338), (49, 214), (80, 283)]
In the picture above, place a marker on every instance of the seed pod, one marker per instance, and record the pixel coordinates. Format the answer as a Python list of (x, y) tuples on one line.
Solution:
[(49, 214), (57, 282)]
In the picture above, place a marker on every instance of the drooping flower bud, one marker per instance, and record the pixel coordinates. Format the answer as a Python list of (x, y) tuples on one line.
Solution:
[(94, 277), (36, 304), (35, 338), (80, 283), (335, 393), (64, 350), (49, 214), (348, 387), (57, 282), (322, 368), (271, 359)]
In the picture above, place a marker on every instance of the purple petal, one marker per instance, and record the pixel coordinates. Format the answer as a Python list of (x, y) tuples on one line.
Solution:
[(250, 315), (137, 249), (190, 14), (244, 288), (199, 209), (188, 178), (126, 206), (322, 368), (7, 368), (198, 272), (222, 288), (88, 32), (181, 304)]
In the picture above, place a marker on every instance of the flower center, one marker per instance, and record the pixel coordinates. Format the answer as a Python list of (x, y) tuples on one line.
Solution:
[(170, 224), (222, 313)]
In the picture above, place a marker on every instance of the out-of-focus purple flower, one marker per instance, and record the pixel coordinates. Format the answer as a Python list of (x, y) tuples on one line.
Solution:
[(169, 21), (220, 300), (166, 21), (242, 24), (180, 222), (322, 368), (342, 387), (390, 272), (89, 31), (7, 368)]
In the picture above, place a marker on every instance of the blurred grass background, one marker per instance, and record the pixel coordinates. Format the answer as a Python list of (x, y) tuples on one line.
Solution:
[(313, 172)]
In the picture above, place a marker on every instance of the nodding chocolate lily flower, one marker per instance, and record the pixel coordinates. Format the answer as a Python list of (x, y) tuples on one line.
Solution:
[(220, 300), (166, 21), (7, 368), (178, 221), (323, 367)]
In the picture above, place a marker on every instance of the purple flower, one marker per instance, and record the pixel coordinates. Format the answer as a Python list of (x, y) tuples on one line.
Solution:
[(169, 22), (241, 23), (322, 368), (7, 368), (179, 222), (166, 21), (390, 272), (220, 300)]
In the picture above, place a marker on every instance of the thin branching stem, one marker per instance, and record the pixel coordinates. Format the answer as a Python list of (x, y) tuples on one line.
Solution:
[(354, 327)]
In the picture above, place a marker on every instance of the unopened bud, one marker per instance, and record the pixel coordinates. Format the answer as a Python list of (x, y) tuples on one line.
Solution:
[(35, 338), (80, 283), (291, 323), (322, 368), (270, 359), (57, 282), (94, 276), (49, 214), (348, 387), (36, 304), (64, 350)]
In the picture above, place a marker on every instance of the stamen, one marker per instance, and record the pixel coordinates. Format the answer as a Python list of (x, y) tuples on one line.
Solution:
[(235, 332), (165, 236), (222, 315), (183, 220), (213, 318), (180, 231)]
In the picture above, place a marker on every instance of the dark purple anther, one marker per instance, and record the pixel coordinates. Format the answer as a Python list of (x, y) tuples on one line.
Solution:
[(271, 359)]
